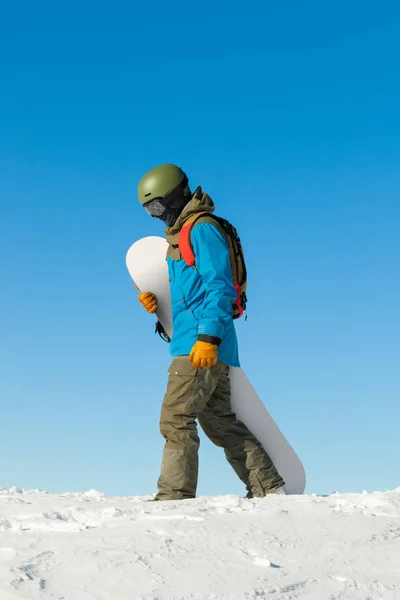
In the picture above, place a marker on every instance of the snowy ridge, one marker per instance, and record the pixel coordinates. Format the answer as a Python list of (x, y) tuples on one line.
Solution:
[(88, 546)]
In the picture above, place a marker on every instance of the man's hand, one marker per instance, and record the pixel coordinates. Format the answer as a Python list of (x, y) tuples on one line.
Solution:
[(203, 355), (148, 301)]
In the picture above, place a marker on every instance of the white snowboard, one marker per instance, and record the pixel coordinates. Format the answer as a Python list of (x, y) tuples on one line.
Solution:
[(148, 268)]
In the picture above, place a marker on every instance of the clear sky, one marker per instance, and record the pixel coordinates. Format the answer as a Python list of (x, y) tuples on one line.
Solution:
[(288, 115)]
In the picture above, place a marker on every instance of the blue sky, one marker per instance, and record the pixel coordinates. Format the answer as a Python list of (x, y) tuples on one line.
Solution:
[(288, 115)]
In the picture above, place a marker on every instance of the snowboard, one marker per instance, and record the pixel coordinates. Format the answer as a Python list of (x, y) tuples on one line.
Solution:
[(146, 263)]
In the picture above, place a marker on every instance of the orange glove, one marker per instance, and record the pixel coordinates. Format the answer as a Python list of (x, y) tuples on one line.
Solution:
[(203, 355), (148, 301)]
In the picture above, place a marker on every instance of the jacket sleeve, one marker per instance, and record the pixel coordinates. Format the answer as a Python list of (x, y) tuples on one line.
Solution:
[(214, 267)]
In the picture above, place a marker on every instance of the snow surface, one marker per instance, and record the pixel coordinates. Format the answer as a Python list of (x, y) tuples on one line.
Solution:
[(89, 546)]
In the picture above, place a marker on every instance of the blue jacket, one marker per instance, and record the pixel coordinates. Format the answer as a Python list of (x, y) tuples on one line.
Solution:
[(202, 297)]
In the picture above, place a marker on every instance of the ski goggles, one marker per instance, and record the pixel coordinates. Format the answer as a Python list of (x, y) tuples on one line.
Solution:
[(156, 206)]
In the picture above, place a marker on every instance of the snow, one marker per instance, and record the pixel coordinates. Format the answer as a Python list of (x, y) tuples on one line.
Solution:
[(89, 546)]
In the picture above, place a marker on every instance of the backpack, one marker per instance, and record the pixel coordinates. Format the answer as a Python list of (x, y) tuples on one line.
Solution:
[(238, 265)]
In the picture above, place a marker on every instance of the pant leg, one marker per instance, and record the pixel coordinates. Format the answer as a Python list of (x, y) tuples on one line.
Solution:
[(188, 391), (242, 449)]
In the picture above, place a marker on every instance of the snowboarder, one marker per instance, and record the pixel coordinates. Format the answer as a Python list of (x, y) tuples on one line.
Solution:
[(203, 344)]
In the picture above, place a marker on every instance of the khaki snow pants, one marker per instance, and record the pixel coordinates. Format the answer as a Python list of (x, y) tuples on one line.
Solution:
[(205, 394)]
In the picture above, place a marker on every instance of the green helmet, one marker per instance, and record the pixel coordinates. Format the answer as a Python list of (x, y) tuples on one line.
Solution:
[(161, 181)]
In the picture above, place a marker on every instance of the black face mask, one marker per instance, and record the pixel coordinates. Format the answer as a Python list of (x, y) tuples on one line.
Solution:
[(169, 208), (171, 214)]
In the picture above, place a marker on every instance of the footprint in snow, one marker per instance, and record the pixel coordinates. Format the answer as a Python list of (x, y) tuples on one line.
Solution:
[(264, 562), (260, 561), (148, 517)]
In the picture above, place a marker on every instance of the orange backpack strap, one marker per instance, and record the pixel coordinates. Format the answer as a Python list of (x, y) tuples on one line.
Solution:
[(185, 244)]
